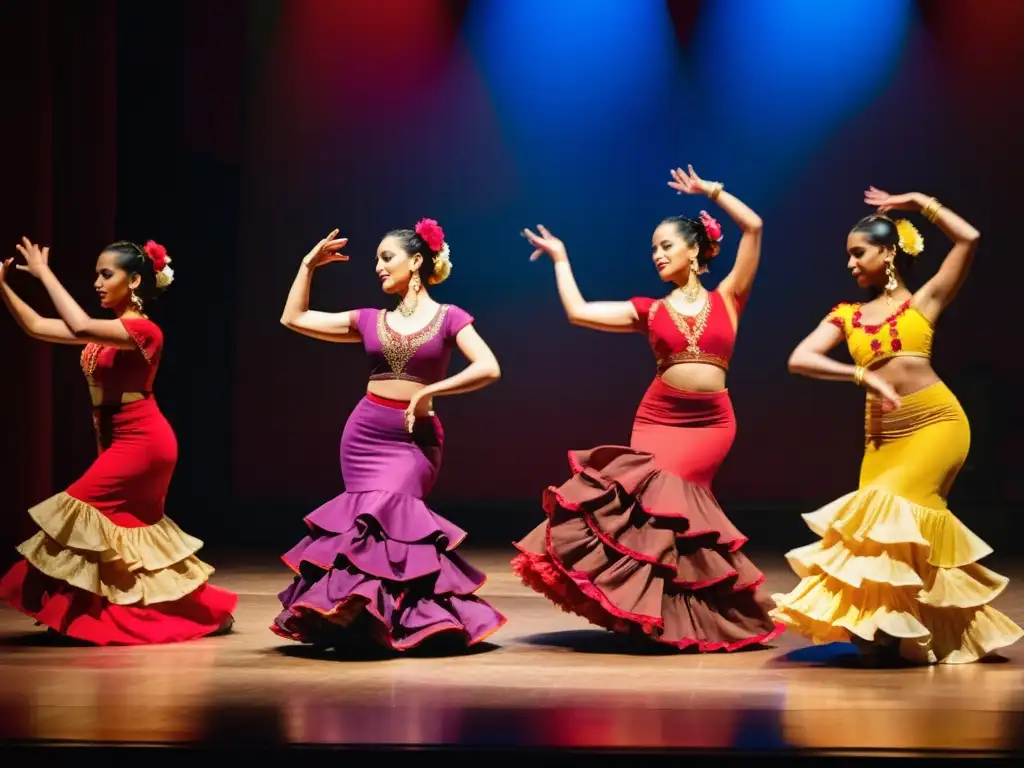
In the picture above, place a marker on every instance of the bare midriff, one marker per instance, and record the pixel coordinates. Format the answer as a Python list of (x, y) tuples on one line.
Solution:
[(694, 377), (906, 374), (402, 391)]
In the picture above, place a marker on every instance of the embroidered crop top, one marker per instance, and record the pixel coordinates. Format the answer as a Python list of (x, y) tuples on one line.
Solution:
[(707, 337), (905, 333), (422, 356), (126, 370)]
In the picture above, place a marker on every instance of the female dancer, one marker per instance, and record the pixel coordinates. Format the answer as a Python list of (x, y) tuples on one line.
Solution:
[(895, 572), (378, 564), (107, 566), (635, 542)]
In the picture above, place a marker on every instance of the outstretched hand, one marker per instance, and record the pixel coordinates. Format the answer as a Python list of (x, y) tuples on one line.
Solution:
[(547, 243), (687, 182), (883, 201), (327, 250), (36, 259)]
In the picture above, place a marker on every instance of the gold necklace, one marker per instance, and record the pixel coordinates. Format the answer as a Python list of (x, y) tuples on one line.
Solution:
[(406, 309), (691, 333), (690, 294)]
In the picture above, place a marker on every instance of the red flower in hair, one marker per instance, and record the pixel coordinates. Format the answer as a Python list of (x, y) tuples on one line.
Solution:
[(157, 254), (431, 233), (711, 226)]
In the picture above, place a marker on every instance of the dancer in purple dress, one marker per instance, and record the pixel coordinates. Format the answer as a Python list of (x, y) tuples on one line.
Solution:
[(378, 564)]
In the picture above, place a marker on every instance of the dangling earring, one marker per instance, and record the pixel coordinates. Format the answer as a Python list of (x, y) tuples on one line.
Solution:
[(407, 307), (136, 301), (893, 283)]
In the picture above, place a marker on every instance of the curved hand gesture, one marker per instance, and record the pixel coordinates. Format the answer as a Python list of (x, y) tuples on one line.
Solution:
[(884, 391), (410, 414), (687, 182), (36, 258), (547, 243), (411, 410), (883, 201), (5, 268), (327, 250)]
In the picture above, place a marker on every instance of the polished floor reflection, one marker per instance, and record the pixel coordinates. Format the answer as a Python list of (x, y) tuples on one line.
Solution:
[(546, 680)]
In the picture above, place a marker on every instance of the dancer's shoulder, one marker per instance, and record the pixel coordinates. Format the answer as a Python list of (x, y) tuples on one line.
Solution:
[(456, 318), (841, 315), (146, 334)]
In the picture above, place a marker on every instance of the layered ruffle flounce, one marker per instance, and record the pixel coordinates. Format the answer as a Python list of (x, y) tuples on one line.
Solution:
[(885, 564), (88, 578), (638, 550), (387, 558)]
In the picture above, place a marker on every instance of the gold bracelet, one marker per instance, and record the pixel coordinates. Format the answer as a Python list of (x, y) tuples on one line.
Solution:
[(716, 190), (931, 210), (858, 375)]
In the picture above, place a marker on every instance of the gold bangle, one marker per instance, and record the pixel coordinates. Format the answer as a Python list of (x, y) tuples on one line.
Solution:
[(931, 210), (858, 375), (716, 190)]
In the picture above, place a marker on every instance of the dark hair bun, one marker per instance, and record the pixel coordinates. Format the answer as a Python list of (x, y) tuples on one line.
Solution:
[(695, 233)]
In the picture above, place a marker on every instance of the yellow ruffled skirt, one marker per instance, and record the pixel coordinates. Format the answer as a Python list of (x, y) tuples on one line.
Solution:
[(86, 577), (892, 558)]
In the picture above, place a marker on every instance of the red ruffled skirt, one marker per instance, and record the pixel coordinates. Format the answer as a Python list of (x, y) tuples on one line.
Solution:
[(107, 566), (635, 542)]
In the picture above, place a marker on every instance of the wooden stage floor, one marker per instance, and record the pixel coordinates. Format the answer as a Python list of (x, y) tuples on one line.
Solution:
[(547, 680)]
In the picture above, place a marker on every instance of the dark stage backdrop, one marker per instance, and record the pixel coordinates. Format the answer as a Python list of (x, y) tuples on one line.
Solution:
[(239, 133), (369, 119)]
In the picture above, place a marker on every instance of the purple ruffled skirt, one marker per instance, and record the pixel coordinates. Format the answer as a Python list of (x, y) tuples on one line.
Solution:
[(377, 562)]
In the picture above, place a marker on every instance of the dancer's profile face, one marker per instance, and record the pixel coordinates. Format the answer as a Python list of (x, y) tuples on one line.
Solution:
[(395, 265), (867, 261), (113, 284), (671, 253)]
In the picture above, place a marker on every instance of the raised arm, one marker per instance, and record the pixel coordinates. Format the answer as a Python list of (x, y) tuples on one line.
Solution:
[(937, 294), (338, 327), (83, 329), (810, 358), (738, 283), (43, 328), (609, 316)]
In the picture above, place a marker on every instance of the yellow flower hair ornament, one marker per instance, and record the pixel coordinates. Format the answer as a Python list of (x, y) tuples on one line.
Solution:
[(911, 242)]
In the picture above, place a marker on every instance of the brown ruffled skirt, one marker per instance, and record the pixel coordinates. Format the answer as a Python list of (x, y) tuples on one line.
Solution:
[(632, 545)]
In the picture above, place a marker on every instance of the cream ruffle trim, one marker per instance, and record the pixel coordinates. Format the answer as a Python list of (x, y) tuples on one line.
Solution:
[(127, 566), (886, 564)]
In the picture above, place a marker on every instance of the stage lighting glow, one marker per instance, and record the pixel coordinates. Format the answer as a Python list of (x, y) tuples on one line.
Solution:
[(571, 65), (792, 69)]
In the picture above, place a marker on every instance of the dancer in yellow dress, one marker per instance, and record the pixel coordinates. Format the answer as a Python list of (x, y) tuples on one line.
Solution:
[(895, 572)]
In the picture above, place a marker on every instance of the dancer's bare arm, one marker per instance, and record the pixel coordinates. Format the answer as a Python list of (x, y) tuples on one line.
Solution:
[(337, 327)]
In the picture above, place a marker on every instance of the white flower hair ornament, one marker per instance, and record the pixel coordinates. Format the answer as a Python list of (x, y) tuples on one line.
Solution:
[(433, 236)]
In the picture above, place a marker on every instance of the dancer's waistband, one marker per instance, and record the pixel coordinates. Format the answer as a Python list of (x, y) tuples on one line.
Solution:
[(398, 405), (935, 403), (667, 405), (387, 402)]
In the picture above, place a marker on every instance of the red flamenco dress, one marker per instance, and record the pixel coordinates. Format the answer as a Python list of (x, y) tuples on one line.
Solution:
[(635, 541), (107, 566)]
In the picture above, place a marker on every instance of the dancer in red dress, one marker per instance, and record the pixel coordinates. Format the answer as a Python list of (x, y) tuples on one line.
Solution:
[(107, 566), (635, 541)]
